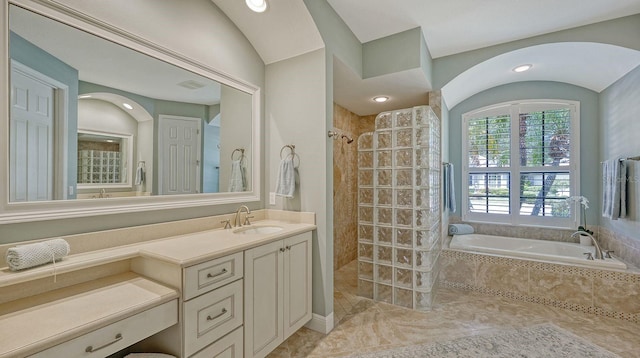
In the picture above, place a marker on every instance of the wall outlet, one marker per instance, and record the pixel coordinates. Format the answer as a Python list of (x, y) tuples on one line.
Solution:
[(71, 189), (272, 198)]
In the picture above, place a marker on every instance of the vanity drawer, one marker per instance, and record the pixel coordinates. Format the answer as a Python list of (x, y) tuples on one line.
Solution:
[(212, 274), (230, 346), (117, 336), (211, 316)]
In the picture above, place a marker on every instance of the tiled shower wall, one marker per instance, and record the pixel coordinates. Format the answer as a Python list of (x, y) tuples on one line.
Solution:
[(345, 182)]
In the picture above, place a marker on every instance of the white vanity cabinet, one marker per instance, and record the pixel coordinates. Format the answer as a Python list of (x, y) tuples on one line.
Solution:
[(213, 307), (277, 290)]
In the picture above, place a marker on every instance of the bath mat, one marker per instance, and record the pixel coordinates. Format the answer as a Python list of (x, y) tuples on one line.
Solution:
[(546, 340)]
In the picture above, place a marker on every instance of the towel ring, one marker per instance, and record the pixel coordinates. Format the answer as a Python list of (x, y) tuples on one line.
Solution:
[(292, 153), (241, 150), (292, 149)]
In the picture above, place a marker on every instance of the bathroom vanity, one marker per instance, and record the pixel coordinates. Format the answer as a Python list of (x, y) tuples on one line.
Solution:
[(236, 292)]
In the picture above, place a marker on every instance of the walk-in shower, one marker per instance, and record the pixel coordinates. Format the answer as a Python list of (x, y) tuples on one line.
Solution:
[(399, 238)]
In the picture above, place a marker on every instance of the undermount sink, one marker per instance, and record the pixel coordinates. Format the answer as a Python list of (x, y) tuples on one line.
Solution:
[(257, 230)]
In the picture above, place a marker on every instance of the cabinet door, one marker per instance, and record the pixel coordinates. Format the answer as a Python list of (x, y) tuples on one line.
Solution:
[(297, 283), (263, 301)]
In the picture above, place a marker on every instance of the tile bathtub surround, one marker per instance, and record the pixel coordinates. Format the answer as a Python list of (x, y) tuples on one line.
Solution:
[(607, 293), (525, 232), (366, 326), (625, 247)]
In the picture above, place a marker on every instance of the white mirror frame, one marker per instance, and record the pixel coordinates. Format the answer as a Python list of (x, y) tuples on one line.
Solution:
[(62, 209)]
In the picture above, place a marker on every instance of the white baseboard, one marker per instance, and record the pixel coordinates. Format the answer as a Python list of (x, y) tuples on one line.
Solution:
[(320, 323)]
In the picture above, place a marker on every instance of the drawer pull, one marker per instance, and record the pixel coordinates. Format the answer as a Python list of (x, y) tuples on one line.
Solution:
[(224, 310), (209, 275), (90, 349)]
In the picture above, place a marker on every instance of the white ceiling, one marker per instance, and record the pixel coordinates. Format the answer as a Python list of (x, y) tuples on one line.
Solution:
[(586, 64), (456, 26), (286, 29)]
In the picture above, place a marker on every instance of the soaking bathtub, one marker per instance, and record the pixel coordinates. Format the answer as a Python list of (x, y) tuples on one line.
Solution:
[(543, 250)]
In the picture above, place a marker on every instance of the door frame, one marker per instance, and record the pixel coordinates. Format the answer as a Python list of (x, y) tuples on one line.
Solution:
[(60, 126), (161, 142)]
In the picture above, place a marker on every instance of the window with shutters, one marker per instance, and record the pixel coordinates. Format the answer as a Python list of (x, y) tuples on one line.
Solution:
[(520, 161)]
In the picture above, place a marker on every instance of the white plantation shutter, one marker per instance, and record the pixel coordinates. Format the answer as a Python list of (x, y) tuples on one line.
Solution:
[(519, 163)]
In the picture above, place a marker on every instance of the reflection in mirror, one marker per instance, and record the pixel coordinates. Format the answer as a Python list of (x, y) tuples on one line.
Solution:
[(71, 90), (103, 159)]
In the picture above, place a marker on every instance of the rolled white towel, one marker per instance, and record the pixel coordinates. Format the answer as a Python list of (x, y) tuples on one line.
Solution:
[(148, 355), (40, 253), (460, 229)]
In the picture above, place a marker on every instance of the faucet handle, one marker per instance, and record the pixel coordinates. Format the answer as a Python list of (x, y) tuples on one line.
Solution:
[(227, 223), (589, 255), (246, 220), (607, 254)]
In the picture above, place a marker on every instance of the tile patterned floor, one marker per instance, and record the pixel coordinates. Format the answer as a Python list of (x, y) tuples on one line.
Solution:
[(363, 325)]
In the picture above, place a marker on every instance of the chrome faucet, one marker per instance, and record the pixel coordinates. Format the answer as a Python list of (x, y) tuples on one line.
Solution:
[(237, 222), (598, 250)]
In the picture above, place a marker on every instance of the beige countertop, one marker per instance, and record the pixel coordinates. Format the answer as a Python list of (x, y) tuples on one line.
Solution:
[(191, 249), (42, 321), (183, 250)]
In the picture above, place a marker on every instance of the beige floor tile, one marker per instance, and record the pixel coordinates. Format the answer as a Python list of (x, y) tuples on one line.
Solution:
[(363, 325)]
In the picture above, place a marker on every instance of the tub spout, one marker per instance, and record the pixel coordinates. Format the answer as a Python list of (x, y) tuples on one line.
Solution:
[(595, 243)]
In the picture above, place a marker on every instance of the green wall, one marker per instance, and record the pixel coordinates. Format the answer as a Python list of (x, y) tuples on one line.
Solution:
[(589, 162), (619, 128)]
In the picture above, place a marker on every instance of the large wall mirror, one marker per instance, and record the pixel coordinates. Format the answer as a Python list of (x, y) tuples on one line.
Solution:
[(95, 125)]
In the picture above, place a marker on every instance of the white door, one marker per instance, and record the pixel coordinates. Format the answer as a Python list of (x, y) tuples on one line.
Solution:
[(263, 304), (179, 155), (31, 138), (297, 283)]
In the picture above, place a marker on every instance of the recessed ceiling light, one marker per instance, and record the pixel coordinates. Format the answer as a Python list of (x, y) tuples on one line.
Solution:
[(380, 99), (522, 68), (257, 5), (127, 106), (85, 96), (191, 84)]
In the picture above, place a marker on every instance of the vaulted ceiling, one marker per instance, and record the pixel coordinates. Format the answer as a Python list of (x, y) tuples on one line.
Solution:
[(286, 29)]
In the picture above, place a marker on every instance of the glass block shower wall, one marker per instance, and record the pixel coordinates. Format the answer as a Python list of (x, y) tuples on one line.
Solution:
[(399, 238)]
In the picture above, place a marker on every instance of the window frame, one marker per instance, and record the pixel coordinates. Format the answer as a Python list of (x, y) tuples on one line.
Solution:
[(514, 109)]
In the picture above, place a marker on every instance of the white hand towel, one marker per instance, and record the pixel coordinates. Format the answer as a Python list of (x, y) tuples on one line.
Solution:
[(139, 175), (30, 255), (460, 229), (614, 189), (237, 181), (286, 181)]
